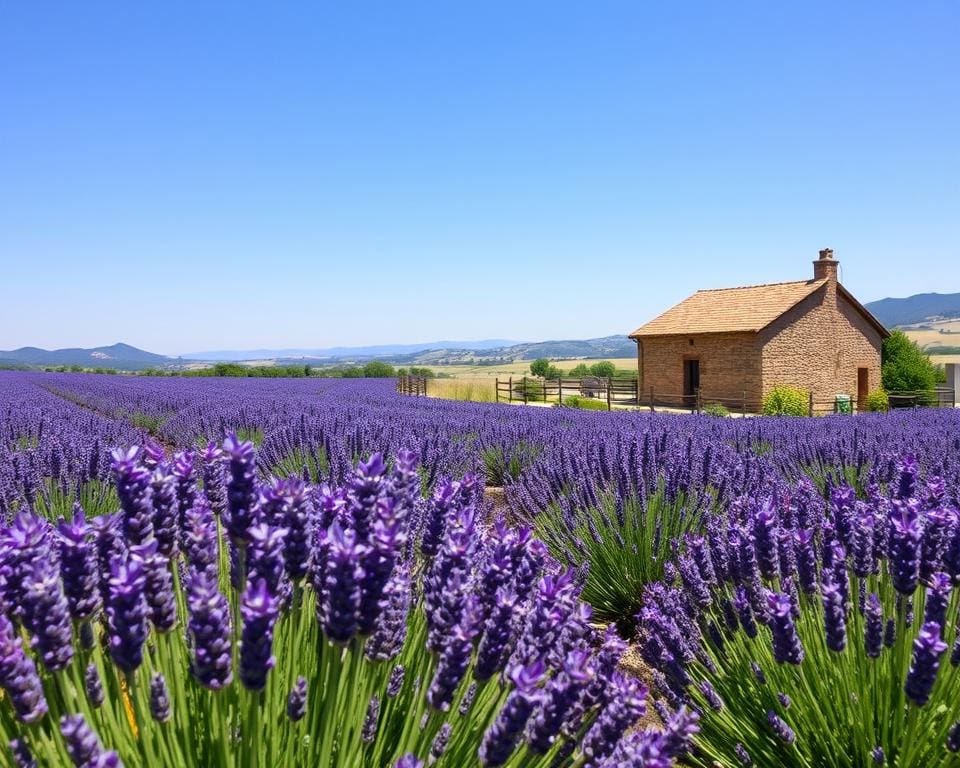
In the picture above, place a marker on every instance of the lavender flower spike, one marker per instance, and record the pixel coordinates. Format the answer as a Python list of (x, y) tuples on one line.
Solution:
[(159, 699), (297, 700), (209, 627), (260, 611), (18, 676), (127, 614), (502, 736), (82, 743), (786, 642), (927, 650)]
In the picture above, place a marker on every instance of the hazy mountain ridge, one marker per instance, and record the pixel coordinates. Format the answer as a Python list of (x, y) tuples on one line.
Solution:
[(915, 309), (120, 356)]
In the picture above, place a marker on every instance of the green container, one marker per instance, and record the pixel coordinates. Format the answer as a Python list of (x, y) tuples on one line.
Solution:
[(843, 404)]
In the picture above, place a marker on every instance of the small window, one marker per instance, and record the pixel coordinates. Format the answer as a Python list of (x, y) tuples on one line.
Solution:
[(691, 342)]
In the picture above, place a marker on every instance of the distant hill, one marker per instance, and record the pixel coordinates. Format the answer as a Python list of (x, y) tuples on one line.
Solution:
[(916, 309), (606, 347), (120, 356), (375, 351)]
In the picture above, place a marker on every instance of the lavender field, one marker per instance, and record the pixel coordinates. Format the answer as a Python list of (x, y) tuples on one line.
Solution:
[(246, 572)]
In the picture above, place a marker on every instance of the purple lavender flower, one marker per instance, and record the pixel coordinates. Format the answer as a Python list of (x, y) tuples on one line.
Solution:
[(163, 487), (878, 756), (265, 560), (297, 520), (890, 633), (766, 535), (339, 606), (82, 743), (111, 548), (806, 561), (78, 566), (786, 643), (158, 585), (241, 487), (297, 700), (93, 686), (260, 611), (467, 701), (133, 489), (833, 614), (743, 756), (47, 616), (409, 761), (953, 737), (927, 650), (184, 471), (395, 684), (127, 614), (502, 736), (559, 697), (711, 695), (873, 626), (453, 662), (159, 699), (18, 676), (784, 700), (440, 741), (938, 598), (742, 606), (369, 731), (496, 635), (199, 539), (908, 471), (214, 478), (22, 757), (209, 627), (391, 630), (906, 532), (624, 707), (780, 728)]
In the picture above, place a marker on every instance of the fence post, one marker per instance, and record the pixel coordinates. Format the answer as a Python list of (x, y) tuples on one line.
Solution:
[(810, 403), (524, 385), (544, 390), (560, 390), (608, 394)]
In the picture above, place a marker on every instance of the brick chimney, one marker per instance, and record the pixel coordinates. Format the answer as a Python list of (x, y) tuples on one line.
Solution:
[(825, 268)]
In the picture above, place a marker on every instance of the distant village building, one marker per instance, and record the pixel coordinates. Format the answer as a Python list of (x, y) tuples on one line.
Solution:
[(734, 343)]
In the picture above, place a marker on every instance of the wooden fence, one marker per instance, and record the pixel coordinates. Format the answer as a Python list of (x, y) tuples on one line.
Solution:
[(624, 391), (412, 385)]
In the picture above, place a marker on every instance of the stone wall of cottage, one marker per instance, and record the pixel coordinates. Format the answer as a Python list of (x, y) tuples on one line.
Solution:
[(730, 368), (818, 346)]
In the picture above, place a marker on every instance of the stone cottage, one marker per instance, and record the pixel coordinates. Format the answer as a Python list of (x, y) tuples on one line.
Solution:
[(735, 344)]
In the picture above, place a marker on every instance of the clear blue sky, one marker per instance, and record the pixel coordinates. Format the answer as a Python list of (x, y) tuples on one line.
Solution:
[(249, 174)]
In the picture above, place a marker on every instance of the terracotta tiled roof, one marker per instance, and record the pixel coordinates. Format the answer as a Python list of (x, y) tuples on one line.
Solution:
[(729, 310)]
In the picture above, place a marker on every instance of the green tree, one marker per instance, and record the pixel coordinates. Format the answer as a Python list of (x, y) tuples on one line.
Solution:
[(540, 367), (906, 368), (378, 370), (603, 370), (579, 371)]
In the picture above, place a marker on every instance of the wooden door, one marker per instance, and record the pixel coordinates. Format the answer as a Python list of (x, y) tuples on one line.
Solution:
[(863, 387)]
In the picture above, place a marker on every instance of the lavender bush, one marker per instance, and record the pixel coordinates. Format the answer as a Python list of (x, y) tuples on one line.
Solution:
[(365, 624)]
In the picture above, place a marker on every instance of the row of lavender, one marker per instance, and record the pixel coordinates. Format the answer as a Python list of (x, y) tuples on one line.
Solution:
[(631, 500), (218, 620)]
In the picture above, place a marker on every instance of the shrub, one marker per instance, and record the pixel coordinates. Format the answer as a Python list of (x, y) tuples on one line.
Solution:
[(715, 409), (906, 368), (877, 402), (579, 371), (378, 370), (786, 401), (504, 463), (603, 370), (440, 638), (584, 403), (622, 542), (824, 659)]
